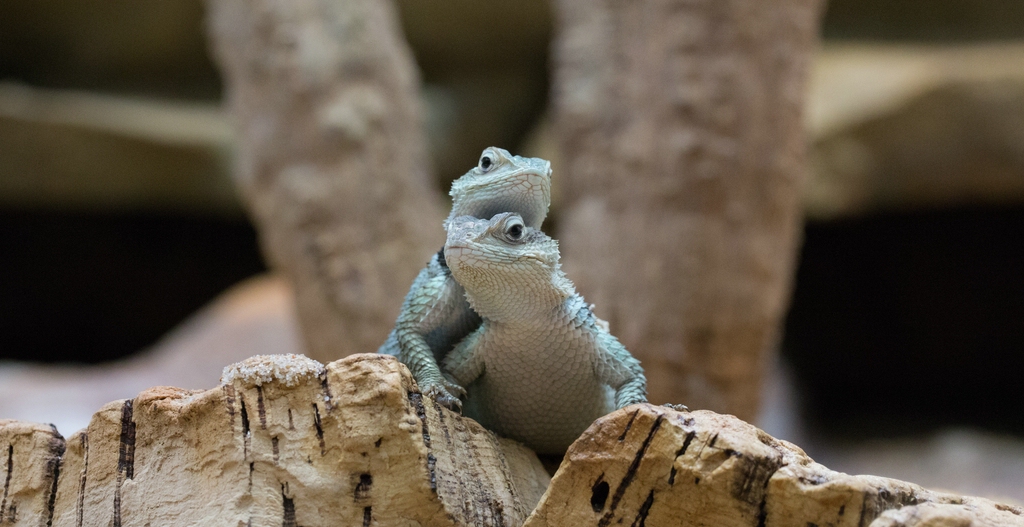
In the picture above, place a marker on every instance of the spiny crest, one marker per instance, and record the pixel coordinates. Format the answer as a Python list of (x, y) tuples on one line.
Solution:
[(562, 282)]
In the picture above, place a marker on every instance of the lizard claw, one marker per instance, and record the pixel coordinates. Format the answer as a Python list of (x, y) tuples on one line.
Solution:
[(677, 407), (453, 387), (442, 394)]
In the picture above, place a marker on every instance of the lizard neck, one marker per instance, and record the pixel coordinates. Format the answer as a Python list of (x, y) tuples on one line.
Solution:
[(532, 301), (532, 211)]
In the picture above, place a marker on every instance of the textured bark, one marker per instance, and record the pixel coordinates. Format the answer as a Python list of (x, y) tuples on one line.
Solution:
[(680, 127), (647, 465), (30, 457), (286, 441), (331, 158)]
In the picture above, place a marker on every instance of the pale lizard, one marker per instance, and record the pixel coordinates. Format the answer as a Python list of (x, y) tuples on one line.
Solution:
[(541, 367), (435, 315)]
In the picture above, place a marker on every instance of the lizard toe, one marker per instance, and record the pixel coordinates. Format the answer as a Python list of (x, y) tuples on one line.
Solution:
[(443, 397), (454, 388)]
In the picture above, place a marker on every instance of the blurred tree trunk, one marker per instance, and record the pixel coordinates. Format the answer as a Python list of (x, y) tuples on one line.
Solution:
[(332, 160), (680, 123)]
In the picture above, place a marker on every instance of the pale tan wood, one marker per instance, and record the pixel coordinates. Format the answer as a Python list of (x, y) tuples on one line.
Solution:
[(30, 456), (287, 441), (649, 465)]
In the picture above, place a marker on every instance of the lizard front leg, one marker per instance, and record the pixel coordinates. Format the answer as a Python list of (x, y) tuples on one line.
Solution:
[(632, 392), (465, 364), (620, 370), (420, 359), (424, 311)]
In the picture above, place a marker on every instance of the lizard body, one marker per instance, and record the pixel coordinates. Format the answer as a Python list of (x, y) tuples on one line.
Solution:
[(435, 315), (541, 367)]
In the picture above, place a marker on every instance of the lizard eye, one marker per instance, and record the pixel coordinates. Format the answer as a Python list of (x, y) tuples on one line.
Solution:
[(491, 158), (514, 230), (486, 163)]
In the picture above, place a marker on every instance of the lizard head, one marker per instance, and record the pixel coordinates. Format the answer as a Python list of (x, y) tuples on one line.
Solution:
[(508, 269), (502, 182)]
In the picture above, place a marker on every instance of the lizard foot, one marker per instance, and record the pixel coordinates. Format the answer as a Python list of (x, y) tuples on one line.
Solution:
[(677, 407), (443, 395), (453, 387)]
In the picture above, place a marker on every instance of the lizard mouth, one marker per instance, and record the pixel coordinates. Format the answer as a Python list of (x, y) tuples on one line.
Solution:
[(455, 251), (519, 177)]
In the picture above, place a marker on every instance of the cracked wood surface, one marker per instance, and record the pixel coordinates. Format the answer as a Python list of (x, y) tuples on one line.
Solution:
[(279, 443), (649, 465), (30, 457), (287, 441)]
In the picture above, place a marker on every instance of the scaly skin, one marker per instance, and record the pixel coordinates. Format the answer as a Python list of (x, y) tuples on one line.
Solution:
[(435, 315), (541, 368)]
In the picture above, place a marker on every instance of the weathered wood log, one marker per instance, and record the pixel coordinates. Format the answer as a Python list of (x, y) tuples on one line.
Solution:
[(648, 465), (331, 159), (287, 441), (30, 462)]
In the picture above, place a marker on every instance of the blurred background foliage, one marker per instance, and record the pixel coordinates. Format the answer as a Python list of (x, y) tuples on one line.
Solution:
[(118, 218)]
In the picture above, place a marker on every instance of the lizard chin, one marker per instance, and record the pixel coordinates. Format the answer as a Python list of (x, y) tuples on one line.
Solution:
[(455, 254)]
